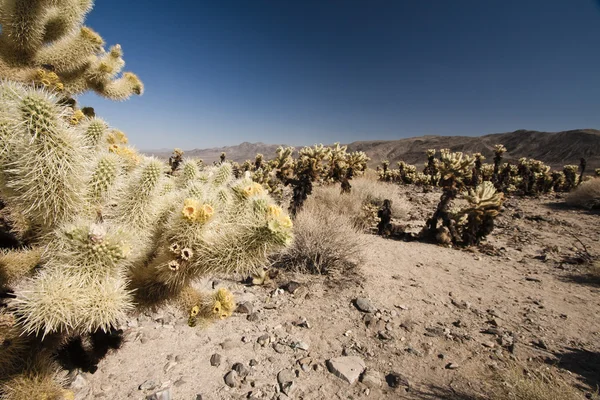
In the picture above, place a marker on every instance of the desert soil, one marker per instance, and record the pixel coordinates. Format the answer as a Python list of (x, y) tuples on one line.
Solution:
[(443, 319)]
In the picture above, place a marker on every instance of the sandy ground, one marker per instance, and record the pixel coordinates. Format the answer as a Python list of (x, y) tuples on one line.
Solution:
[(444, 319)]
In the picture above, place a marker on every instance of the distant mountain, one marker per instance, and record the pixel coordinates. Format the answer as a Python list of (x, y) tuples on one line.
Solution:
[(554, 148)]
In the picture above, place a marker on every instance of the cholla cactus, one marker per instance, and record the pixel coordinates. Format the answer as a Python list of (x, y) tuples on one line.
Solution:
[(597, 171), (80, 195), (499, 151), (478, 218), (455, 168), (307, 169), (175, 160), (46, 43), (477, 173), (431, 168), (43, 168), (570, 172)]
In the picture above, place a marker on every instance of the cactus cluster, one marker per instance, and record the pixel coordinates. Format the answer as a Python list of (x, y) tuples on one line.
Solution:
[(317, 164), (528, 177), (102, 230)]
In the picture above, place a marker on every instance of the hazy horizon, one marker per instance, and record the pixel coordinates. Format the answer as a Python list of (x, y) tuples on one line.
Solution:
[(321, 72)]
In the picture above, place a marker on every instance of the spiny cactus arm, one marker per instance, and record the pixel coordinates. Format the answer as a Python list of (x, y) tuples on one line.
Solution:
[(44, 174), (106, 66), (94, 131), (49, 303), (121, 88), (28, 26), (64, 18), (35, 385), (15, 264), (70, 53)]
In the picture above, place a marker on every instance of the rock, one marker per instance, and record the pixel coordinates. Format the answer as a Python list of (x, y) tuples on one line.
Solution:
[(383, 335), (78, 383), (463, 305), (244, 308), (452, 366), (305, 363), (264, 340), (371, 379), (408, 326), (199, 397), (279, 347), (396, 380), (241, 370), (300, 345), (489, 345), (169, 366), (253, 363), (286, 378), (533, 279), (148, 385), (364, 305), (413, 351), (215, 360), (253, 317), (229, 344), (292, 287), (434, 331), (232, 379), (302, 323), (541, 344), (164, 394), (346, 368)]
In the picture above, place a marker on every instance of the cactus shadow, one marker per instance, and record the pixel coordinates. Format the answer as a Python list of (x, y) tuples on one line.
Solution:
[(582, 362), (561, 206), (434, 392), (587, 279)]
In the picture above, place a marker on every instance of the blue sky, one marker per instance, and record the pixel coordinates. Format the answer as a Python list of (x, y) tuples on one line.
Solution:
[(309, 71)]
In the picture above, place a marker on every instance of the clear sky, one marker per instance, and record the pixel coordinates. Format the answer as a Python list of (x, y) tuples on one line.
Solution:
[(300, 72)]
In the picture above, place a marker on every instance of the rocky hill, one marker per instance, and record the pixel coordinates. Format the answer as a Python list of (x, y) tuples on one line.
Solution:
[(554, 148)]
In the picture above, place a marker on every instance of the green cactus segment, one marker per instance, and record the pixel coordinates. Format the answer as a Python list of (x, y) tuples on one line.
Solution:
[(95, 132), (104, 178), (222, 175), (44, 170), (137, 203)]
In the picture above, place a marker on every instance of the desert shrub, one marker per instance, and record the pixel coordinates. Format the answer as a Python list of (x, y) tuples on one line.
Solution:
[(586, 195), (518, 382), (324, 243), (358, 206)]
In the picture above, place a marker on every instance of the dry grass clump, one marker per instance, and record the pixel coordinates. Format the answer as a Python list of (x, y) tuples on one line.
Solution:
[(361, 204), (518, 382), (324, 243), (586, 195)]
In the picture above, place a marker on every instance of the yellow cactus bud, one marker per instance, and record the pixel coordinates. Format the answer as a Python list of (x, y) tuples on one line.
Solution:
[(217, 309), (274, 211), (190, 209), (195, 310), (77, 116), (205, 212)]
